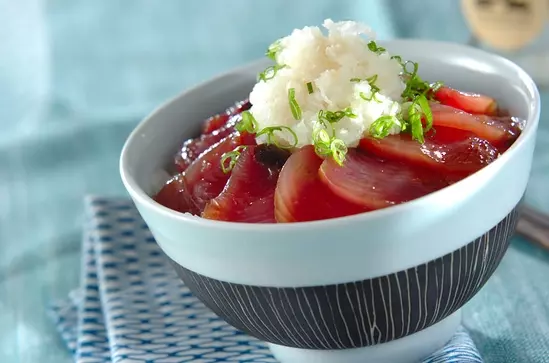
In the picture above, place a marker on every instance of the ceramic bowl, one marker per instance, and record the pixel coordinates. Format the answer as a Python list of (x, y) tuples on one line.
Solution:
[(384, 286)]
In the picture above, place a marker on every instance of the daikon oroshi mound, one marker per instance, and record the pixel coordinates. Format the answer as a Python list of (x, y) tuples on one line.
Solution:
[(336, 71)]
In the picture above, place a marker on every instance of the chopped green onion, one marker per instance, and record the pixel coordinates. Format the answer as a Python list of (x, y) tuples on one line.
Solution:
[(398, 59), (327, 146), (374, 89), (310, 87), (349, 112), (294, 106), (426, 110), (417, 92), (229, 159), (414, 118), (381, 127), (415, 68), (248, 123), (269, 131), (322, 119), (415, 86), (273, 50), (339, 150), (372, 96), (375, 48), (364, 97), (335, 116), (372, 79), (270, 72), (321, 141)]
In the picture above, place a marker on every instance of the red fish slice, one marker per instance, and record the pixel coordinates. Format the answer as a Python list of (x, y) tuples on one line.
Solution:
[(203, 180), (193, 148), (374, 183), (447, 150), (466, 101), (301, 195), (215, 123), (214, 129), (220, 120), (499, 131), (175, 195), (249, 194)]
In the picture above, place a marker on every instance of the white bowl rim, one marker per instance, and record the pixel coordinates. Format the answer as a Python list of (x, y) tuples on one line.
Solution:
[(138, 194)]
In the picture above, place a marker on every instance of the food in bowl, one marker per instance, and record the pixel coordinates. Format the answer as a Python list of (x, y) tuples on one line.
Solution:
[(381, 286), (336, 126)]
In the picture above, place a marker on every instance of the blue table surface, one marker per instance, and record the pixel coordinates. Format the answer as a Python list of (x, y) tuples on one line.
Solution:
[(76, 76)]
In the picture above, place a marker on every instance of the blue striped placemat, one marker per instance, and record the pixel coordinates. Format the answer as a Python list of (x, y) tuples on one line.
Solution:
[(131, 306)]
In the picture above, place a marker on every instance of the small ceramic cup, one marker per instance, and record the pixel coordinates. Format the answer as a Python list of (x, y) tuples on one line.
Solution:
[(383, 286)]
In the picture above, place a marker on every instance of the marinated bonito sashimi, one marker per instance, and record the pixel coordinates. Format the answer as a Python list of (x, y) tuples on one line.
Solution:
[(249, 193), (447, 150), (214, 129), (337, 126), (302, 196)]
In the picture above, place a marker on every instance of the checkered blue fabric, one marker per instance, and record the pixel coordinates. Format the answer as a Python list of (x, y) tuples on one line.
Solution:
[(131, 307)]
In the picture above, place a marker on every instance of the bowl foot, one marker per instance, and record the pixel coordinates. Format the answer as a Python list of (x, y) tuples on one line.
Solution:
[(410, 349)]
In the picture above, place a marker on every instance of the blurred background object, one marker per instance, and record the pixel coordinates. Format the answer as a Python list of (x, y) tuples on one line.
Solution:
[(517, 29), (76, 76)]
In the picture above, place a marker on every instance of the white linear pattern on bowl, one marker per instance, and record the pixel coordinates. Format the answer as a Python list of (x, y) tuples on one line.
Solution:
[(359, 313), (247, 349)]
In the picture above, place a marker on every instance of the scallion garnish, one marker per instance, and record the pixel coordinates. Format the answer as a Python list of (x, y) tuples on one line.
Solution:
[(339, 150), (269, 131), (414, 119), (415, 86), (328, 118), (426, 110), (327, 146), (371, 80), (323, 121), (229, 159), (381, 127), (398, 59), (374, 89), (334, 116), (321, 141), (375, 48), (294, 106), (270, 72), (248, 123), (273, 50), (419, 111), (418, 93), (310, 87)]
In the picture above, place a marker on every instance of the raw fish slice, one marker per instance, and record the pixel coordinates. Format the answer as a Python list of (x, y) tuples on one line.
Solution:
[(215, 123), (205, 178), (249, 194), (374, 183), (175, 195), (442, 151), (469, 102), (301, 195), (218, 121), (193, 148), (499, 131)]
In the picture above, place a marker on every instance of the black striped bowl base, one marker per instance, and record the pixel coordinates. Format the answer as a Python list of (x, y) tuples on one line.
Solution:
[(358, 313)]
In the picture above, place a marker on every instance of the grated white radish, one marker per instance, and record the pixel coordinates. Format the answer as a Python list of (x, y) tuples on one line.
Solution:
[(329, 62)]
